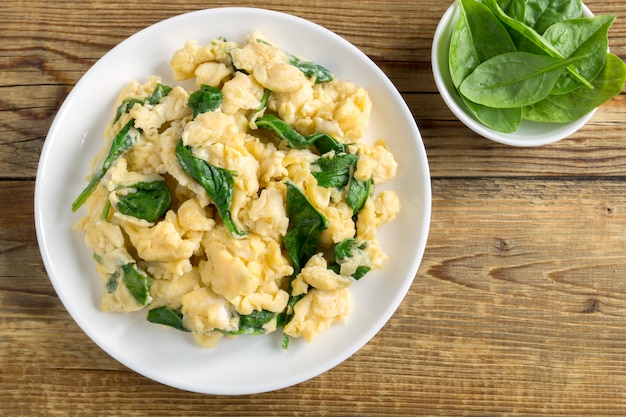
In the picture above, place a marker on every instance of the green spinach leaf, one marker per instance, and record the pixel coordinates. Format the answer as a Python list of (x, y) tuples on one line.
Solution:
[(322, 141), (126, 105), (588, 37), (145, 200), (219, 183), (505, 120), (522, 30), (358, 192), (122, 142), (335, 172), (252, 323), (311, 70), (167, 317), (137, 283), (564, 108), (350, 248), (282, 129), (207, 98), (478, 36), (514, 79), (541, 14), (325, 143), (305, 225)]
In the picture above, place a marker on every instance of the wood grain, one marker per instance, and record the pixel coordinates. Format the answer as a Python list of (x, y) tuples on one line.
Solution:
[(519, 305), (491, 325)]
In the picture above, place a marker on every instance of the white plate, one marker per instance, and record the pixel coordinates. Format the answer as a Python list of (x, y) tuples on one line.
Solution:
[(248, 364)]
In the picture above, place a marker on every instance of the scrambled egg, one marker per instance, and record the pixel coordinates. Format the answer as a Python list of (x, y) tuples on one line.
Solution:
[(188, 260)]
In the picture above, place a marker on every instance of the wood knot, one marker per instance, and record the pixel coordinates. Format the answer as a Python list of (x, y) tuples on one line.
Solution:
[(592, 306), (502, 245)]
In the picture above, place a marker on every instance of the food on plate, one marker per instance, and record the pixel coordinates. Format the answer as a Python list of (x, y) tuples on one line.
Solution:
[(532, 59), (243, 205)]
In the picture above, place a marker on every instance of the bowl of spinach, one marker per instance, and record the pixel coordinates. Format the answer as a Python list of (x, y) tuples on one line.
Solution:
[(525, 72)]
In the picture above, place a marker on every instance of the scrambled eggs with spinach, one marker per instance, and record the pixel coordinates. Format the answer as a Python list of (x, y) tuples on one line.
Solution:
[(244, 206)]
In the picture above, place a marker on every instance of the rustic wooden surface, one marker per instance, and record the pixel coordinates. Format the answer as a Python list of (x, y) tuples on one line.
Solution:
[(518, 308)]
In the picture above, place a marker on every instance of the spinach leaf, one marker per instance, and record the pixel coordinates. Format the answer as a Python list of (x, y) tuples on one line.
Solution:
[(350, 248), (282, 129), (514, 79), (252, 323), (112, 282), (122, 142), (126, 105), (266, 97), (520, 29), (358, 192), (541, 14), (219, 183), (513, 8), (477, 36), (335, 172), (137, 283), (322, 141), (159, 92), (207, 98), (325, 143), (503, 120), (305, 225), (167, 317), (145, 200), (589, 37), (311, 70), (564, 108)]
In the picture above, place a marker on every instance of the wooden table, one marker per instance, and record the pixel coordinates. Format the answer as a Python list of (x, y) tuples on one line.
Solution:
[(519, 305)]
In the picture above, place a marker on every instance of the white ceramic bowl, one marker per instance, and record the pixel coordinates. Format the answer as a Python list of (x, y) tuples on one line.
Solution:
[(248, 364), (529, 133)]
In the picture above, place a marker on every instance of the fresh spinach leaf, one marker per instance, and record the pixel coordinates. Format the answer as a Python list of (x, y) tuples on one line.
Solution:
[(305, 225), (541, 14), (514, 79), (167, 317), (122, 142), (207, 98), (145, 200), (564, 108), (126, 105), (282, 129), (325, 143), (219, 183), (520, 29), (335, 171), (137, 283), (252, 323), (158, 93), (505, 120), (358, 192), (311, 70), (348, 249), (588, 37), (478, 36), (322, 141), (514, 8)]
